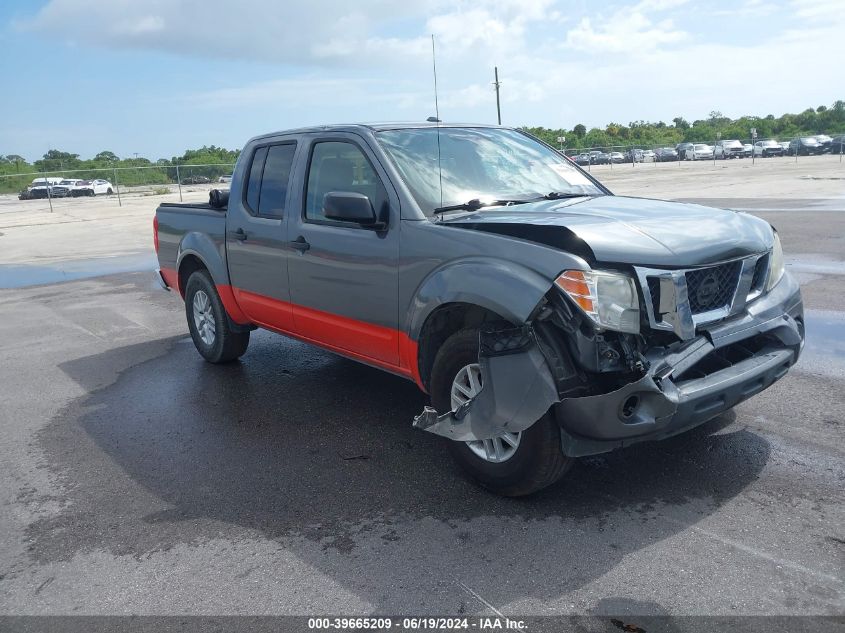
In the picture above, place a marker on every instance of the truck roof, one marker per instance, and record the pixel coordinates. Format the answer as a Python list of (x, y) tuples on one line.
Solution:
[(372, 127)]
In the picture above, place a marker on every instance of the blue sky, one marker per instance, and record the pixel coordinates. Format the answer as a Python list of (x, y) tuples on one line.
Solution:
[(159, 76)]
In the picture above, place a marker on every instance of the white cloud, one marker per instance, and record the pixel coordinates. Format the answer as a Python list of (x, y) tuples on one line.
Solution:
[(623, 32), (819, 10), (324, 32), (559, 65)]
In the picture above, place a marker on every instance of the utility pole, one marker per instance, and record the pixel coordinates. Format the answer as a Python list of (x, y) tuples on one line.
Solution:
[(497, 84)]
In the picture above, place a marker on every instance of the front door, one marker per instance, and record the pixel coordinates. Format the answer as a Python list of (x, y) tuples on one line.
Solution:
[(343, 276)]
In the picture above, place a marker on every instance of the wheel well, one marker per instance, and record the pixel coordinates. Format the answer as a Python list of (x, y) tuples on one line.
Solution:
[(189, 265), (441, 324)]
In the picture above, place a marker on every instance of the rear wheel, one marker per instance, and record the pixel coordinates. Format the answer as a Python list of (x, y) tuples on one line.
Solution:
[(208, 322), (512, 464)]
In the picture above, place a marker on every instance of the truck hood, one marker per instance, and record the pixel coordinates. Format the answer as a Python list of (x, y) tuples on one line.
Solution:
[(617, 229)]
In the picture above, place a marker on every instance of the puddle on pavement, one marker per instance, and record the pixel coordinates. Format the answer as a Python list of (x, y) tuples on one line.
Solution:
[(814, 264), (22, 276), (824, 350)]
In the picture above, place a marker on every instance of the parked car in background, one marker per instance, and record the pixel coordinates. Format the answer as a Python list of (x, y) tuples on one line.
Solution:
[(836, 144), (66, 188), (699, 151), (747, 150), (805, 146), (599, 158), (225, 179), (768, 148), (582, 159), (93, 188), (682, 148), (634, 156), (665, 154), (617, 157), (825, 141), (648, 155), (43, 187), (196, 180), (785, 146), (730, 148), (25, 194)]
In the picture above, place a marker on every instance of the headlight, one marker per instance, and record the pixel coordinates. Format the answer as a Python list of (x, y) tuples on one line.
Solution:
[(609, 299), (776, 266)]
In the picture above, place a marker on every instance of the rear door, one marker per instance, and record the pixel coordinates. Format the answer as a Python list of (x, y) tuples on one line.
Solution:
[(344, 277), (256, 247)]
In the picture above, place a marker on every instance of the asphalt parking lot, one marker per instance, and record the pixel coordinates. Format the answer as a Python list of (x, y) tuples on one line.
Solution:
[(137, 479)]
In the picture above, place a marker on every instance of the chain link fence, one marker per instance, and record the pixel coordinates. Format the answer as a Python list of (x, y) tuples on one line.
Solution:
[(146, 180)]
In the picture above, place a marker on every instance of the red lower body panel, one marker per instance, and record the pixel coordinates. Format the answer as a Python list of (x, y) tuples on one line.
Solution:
[(376, 345), (373, 344)]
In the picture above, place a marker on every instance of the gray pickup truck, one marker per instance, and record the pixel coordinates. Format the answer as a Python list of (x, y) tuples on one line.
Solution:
[(546, 318)]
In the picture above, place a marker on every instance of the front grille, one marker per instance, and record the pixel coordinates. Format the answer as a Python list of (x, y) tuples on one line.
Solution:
[(712, 288), (654, 290), (759, 277)]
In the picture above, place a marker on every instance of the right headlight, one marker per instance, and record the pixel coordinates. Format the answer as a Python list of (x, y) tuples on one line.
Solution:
[(776, 265), (609, 299)]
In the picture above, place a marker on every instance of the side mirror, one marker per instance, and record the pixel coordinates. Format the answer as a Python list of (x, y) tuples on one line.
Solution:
[(349, 206)]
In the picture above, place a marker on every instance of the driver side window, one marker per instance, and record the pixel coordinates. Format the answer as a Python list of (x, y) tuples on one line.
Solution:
[(341, 166)]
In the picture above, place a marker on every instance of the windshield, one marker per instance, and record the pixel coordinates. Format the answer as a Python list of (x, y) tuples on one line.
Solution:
[(479, 163)]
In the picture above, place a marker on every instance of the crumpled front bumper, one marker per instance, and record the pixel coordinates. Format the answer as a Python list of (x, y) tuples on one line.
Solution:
[(725, 364), (684, 385)]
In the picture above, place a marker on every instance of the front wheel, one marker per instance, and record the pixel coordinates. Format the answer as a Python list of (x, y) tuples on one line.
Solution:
[(208, 323), (512, 464)]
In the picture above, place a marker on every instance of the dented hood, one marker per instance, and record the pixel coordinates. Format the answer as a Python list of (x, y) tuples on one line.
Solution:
[(617, 229)]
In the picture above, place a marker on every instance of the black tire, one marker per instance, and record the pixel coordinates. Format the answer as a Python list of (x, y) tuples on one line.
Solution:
[(538, 461), (109, 192), (227, 345)]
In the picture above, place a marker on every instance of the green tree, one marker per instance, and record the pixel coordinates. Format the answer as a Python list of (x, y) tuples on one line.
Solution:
[(579, 131), (106, 157)]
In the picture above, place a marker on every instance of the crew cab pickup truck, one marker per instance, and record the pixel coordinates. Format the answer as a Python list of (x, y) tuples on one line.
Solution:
[(546, 318)]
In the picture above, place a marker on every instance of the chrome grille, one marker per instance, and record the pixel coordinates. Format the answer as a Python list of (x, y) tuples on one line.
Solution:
[(760, 270), (680, 300), (712, 288), (654, 291)]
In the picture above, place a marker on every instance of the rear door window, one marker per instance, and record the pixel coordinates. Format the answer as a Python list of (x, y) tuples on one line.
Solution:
[(274, 182), (253, 185)]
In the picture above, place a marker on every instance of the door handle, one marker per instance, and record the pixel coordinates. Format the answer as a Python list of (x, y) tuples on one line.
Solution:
[(300, 244), (239, 235)]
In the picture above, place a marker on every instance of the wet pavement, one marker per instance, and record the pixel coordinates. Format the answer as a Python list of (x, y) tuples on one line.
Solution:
[(138, 479), (22, 276)]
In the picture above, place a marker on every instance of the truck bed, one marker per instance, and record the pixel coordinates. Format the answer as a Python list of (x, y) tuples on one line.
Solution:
[(190, 224), (201, 206)]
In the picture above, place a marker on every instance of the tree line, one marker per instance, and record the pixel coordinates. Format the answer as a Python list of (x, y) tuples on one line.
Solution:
[(821, 120), (133, 170)]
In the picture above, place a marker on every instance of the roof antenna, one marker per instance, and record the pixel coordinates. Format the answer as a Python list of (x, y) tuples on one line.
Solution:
[(437, 118)]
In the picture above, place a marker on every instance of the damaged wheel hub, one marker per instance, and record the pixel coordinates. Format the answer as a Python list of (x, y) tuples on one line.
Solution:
[(467, 385)]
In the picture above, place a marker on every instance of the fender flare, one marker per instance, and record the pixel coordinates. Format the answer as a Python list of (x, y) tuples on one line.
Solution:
[(510, 290), (203, 248)]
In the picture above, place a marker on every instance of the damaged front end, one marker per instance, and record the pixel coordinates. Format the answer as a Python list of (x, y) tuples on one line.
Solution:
[(610, 389), (517, 389)]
